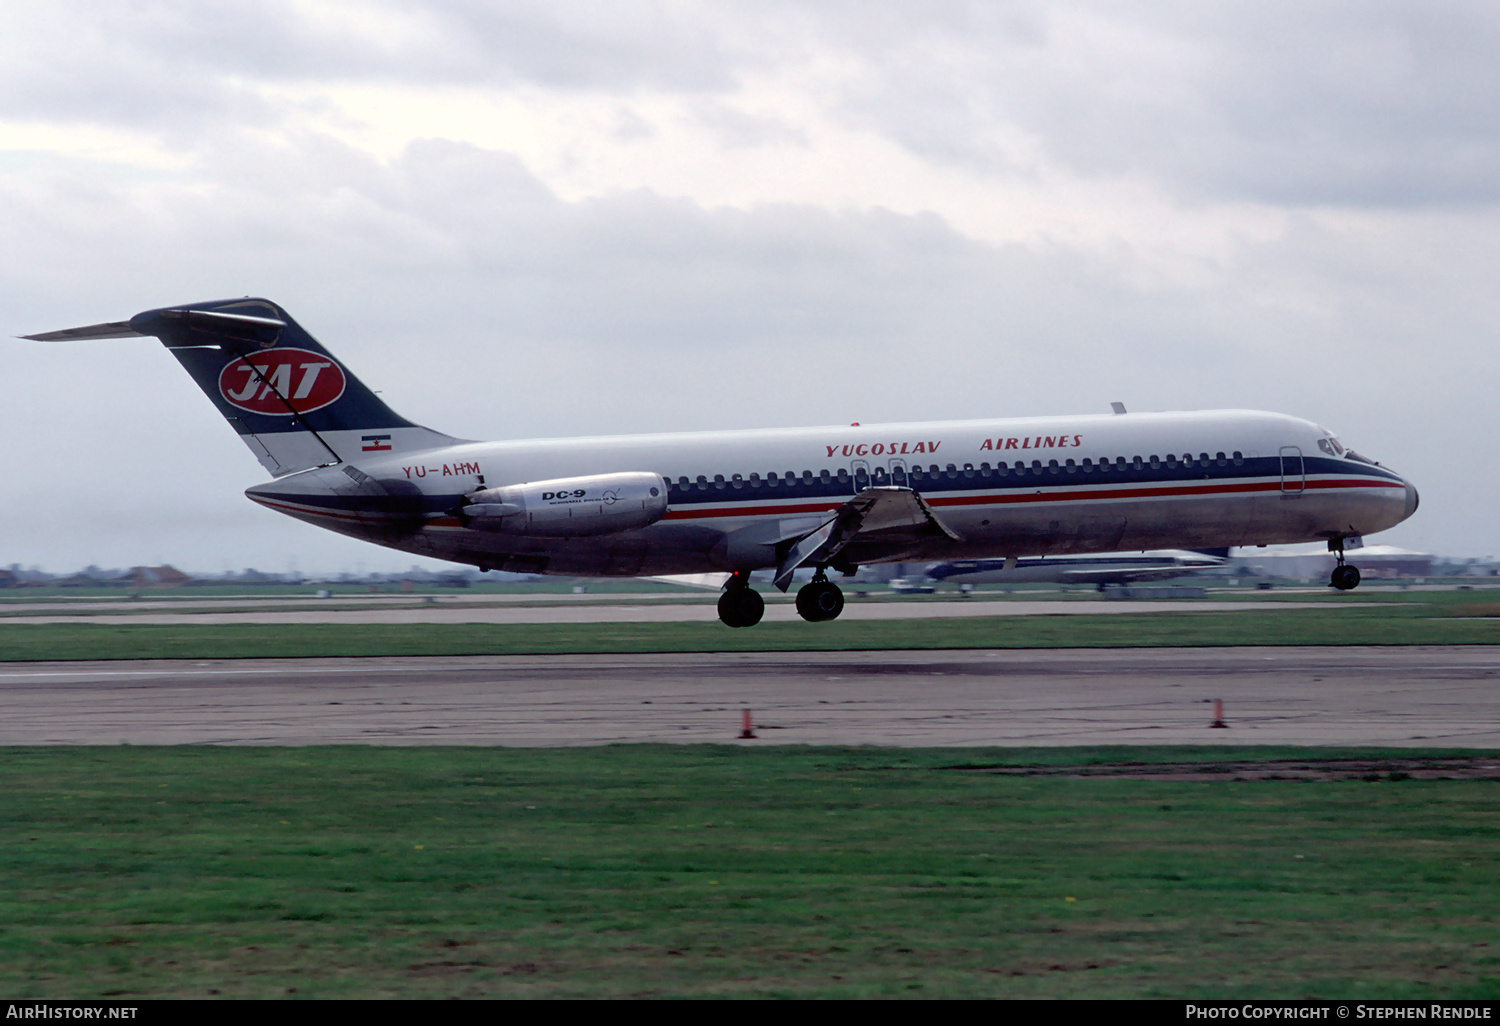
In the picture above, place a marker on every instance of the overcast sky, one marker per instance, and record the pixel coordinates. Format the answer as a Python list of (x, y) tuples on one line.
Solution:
[(528, 219)]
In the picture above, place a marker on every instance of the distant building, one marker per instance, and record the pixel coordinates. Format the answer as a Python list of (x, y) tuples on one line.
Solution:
[(156, 577)]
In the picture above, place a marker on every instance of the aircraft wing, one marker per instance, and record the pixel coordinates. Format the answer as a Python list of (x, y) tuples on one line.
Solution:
[(709, 582), (890, 517)]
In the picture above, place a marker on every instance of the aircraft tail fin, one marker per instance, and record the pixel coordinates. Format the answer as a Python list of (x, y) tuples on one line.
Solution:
[(289, 399)]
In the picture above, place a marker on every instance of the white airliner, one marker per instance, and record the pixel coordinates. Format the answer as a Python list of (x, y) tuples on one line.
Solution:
[(738, 501), (1108, 568)]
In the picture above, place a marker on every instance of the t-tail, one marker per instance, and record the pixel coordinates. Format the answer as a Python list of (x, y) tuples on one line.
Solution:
[(291, 402)]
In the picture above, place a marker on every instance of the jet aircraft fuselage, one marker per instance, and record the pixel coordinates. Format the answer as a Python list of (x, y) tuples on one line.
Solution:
[(738, 501), (1131, 482)]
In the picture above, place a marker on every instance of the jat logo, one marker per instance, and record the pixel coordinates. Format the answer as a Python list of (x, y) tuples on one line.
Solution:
[(307, 381)]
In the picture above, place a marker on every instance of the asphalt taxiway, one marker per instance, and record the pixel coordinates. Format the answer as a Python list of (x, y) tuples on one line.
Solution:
[(1398, 696)]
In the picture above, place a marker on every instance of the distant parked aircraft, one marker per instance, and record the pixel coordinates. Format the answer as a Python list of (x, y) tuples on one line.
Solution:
[(1107, 568)]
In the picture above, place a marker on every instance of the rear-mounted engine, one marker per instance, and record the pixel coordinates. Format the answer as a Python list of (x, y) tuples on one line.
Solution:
[(569, 507)]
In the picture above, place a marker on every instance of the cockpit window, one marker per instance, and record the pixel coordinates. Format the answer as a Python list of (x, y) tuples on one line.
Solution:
[(1331, 446)]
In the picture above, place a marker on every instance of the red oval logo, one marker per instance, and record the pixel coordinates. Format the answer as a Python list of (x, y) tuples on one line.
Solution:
[(307, 381)]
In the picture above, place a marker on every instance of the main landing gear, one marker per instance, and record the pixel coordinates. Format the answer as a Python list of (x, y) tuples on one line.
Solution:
[(1346, 575), (821, 600), (741, 605)]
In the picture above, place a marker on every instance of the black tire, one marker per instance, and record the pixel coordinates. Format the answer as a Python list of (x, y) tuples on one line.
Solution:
[(1345, 578), (820, 601), (741, 607)]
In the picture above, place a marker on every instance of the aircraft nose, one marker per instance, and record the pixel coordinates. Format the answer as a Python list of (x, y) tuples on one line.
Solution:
[(1412, 500)]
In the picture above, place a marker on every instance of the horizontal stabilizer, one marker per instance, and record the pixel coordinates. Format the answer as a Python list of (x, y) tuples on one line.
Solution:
[(216, 322), (291, 401), (114, 329)]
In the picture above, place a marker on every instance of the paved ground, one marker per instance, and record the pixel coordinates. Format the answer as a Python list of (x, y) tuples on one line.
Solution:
[(628, 609), (1407, 696)]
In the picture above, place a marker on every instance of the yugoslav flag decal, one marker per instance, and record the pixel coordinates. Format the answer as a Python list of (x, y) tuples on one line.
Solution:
[(308, 381)]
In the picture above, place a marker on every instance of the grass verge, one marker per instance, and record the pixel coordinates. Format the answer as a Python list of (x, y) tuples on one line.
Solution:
[(718, 871), (1417, 623)]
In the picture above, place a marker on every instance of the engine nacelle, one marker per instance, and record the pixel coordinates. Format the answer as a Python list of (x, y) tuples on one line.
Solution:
[(570, 507)]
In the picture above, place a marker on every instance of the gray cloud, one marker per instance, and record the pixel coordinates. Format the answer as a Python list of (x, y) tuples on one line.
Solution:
[(1360, 105), (176, 65), (1281, 102), (482, 303)]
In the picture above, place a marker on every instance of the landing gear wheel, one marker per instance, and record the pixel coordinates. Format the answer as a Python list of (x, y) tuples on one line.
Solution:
[(820, 601), (1345, 577), (741, 607)]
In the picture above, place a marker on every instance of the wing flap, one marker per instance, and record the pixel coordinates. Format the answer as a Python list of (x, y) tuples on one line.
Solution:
[(881, 509)]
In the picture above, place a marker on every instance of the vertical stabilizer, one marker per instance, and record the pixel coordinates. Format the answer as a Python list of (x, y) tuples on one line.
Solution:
[(290, 400)]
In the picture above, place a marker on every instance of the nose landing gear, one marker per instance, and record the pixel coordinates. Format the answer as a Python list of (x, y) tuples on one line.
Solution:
[(1345, 576)]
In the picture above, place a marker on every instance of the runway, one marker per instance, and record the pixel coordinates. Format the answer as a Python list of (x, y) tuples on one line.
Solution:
[(1398, 696)]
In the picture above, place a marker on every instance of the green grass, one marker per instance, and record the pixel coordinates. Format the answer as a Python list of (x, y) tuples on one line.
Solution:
[(716, 871), (1425, 622)]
